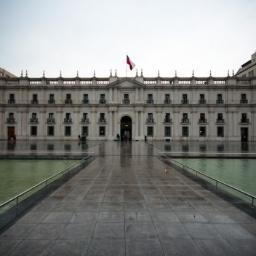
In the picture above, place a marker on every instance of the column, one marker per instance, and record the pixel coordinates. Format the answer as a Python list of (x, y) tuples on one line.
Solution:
[(142, 124)]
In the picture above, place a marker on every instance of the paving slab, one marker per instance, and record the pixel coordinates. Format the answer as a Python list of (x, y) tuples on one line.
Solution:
[(124, 203)]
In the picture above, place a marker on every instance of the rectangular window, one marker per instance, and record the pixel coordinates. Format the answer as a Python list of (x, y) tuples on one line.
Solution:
[(67, 131), (185, 131), (167, 131), (85, 131), (126, 96), (50, 130), (220, 131), (102, 131), (11, 98), (202, 131), (150, 131), (51, 98), (167, 118), (68, 96), (220, 116), (33, 130), (34, 97)]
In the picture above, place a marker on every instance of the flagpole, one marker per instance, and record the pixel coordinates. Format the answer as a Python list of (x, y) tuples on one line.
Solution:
[(126, 66)]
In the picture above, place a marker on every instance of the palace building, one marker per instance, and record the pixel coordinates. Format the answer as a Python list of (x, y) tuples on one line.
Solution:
[(160, 108)]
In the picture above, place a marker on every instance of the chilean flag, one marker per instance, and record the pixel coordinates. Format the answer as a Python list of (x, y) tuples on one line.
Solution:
[(129, 62)]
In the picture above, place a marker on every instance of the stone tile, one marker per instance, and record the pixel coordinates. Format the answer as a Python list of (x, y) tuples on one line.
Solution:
[(243, 246), (77, 231), (171, 230), (58, 217), (164, 216), (190, 217), (106, 247), (111, 216), (149, 247), (6, 245), (233, 231), (67, 248), (109, 231), (140, 230), (201, 230), (84, 217), (32, 217), (181, 247), (31, 247), (137, 216), (46, 231), (215, 247), (17, 231)]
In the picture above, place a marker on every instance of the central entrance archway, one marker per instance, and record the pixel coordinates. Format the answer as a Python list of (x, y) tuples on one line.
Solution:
[(126, 128)]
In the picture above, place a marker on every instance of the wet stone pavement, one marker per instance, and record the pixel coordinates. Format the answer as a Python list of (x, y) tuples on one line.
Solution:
[(126, 204)]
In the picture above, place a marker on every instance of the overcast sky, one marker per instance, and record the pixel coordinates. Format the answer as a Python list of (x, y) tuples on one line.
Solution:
[(165, 35)]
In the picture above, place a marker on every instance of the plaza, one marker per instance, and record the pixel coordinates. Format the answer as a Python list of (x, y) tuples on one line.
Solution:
[(125, 203)]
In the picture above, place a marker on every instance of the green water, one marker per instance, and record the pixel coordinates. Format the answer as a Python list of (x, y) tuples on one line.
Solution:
[(240, 173), (18, 175)]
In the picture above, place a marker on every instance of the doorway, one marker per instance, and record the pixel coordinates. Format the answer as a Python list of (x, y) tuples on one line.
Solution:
[(11, 133), (244, 134), (126, 128)]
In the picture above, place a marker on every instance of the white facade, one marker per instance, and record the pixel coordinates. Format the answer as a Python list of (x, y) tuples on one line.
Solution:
[(225, 112)]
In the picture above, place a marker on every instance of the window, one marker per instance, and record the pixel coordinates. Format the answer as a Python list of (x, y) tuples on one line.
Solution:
[(85, 131), (150, 98), (50, 130), (220, 131), (167, 118), (220, 116), (202, 116), (244, 118), (167, 131), (126, 99), (33, 130), (102, 131), (85, 98), (51, 98), (102, 117), (68, 131), (150, 131), (243, 98), (184, 98), (68, 99), (167, 99), (219, 99), (85, 116), (185, 118), (185, 131), (34, 99), (33, 118), (202, 131), (11, 98), (202, 99), (68, 116), (126, 96), (102, 99)]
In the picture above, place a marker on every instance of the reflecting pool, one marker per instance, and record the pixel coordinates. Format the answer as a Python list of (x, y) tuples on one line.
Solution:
[(18, 175), (240, 173)]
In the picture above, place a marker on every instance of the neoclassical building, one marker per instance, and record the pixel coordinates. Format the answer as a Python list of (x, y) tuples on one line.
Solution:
[(161, 108)]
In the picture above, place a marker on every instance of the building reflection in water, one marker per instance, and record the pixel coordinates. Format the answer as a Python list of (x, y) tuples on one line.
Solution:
[(202, 147), (67, 147), (11, 145), (33, 147), (244, 146), (50, 147), (167, 147)]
